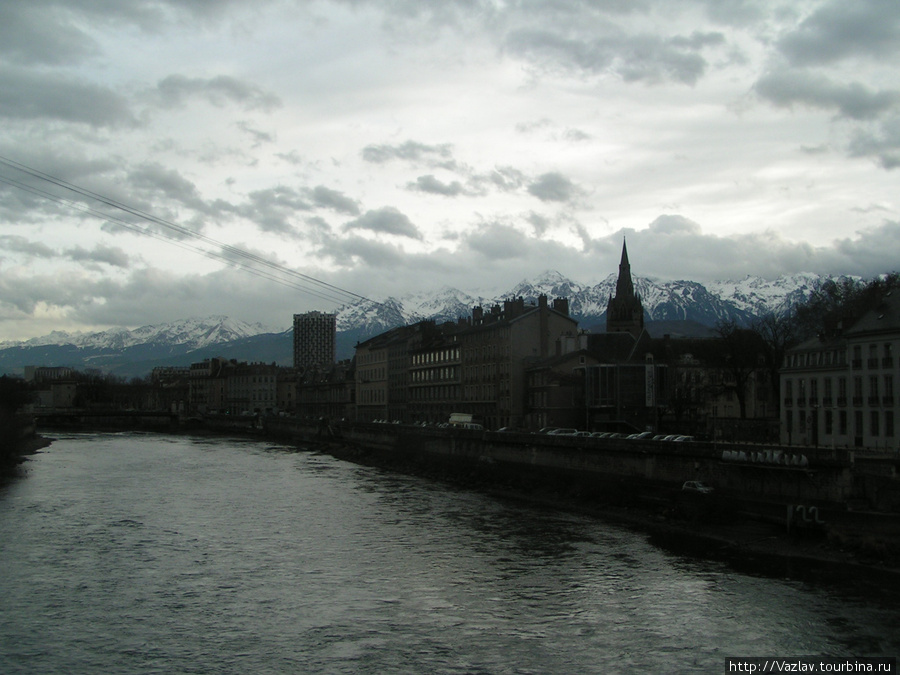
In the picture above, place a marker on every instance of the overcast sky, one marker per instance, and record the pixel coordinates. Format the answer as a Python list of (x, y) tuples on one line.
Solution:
[(386, 146)]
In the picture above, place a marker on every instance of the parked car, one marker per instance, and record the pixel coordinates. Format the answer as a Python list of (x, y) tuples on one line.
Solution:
[(563, 432), (696, 486), (642, 435), (547, 430)]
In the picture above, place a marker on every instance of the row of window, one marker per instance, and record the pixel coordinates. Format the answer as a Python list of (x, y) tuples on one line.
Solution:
[(877, 355), (442, 393), (879, 386), (881, 423), (450, 354), (446, 373)]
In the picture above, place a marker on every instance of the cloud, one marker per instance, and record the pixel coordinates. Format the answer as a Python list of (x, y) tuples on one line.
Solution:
[(176, 90), (33, 95), (386, 220), (553, 187), (432, 185), (30, 35), (335, 200), (636, 58), (854, 101), (883, 144), (498, 242), (109, 255), (17, 244), (272, 210), (838, 30), (410, 151)]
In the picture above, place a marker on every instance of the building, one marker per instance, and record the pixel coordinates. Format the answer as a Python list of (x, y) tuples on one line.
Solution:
[(496, 350), (435, 373), (838, 388), (314, 340), (624, 311)]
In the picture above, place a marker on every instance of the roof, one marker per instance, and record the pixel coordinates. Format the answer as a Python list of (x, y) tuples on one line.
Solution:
[(885, 318)]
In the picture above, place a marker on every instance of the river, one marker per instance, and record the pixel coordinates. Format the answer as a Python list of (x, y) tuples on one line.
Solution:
[(142, 553)]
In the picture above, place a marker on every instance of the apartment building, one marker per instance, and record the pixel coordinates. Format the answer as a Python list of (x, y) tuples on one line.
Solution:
[(838, 389)]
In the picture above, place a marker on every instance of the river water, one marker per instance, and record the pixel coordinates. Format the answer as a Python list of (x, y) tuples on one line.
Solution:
[(140, 553)]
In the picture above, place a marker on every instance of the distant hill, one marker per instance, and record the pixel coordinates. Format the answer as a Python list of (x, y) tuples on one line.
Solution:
[(676, 308)]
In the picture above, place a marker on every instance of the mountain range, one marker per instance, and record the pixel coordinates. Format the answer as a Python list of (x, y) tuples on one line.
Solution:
[(674, 307)]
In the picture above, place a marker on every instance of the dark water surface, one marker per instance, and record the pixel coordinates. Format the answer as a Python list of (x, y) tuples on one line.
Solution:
[(132, 553)]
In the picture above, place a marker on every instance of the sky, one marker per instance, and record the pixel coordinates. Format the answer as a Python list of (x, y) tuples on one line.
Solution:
[(395, 146)]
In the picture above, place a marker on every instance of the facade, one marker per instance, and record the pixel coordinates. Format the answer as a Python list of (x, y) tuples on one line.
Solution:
[(555, 391), (838, 389), (374, 366), (435, 375), (496, 350), (314, 339), (326, 392)]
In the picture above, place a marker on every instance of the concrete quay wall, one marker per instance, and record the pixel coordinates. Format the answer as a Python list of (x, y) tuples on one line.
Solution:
[(827, 479)]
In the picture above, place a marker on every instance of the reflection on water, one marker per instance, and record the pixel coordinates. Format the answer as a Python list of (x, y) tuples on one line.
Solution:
[(142, 553)]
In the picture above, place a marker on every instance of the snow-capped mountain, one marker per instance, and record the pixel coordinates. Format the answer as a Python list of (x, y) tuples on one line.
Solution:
[(189, 333), (136, 351)]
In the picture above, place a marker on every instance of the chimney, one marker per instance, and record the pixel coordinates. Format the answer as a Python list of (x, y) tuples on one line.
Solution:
[(561, 305)]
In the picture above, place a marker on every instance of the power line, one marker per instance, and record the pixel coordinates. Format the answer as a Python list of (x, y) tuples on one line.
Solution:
[(227, 253)]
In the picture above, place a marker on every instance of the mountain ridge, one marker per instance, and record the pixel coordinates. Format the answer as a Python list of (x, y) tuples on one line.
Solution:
[(122, 351)]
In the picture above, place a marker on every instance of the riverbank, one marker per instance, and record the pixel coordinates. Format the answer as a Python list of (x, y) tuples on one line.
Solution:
[(692, 525), (709, 531)]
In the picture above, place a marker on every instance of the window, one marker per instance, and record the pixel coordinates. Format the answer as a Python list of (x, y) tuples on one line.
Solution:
[(874, 423), (889, 423)]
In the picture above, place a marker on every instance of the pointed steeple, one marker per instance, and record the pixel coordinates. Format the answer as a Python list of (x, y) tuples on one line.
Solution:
[(624, 284), (624, 312)]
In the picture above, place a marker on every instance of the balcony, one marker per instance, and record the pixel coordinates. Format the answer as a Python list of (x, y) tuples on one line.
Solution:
[(887, 401), (872, 363), (858, 401), (887, 362), (842, 401), (873, 400), (827, 402), (788, 402), (856, 364)]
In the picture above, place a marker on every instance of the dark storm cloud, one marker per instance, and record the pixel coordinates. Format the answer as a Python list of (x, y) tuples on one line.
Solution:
[(176, 90), (410, 151), (553, 187), (840, 29), (386, 220), (645, 57), (40, 95), (854, 100)]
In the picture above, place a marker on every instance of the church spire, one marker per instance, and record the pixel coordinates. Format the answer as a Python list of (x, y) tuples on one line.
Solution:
[(625, 313)]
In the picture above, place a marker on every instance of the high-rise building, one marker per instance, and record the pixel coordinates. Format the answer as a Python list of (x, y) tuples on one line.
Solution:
[(314, 339)]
